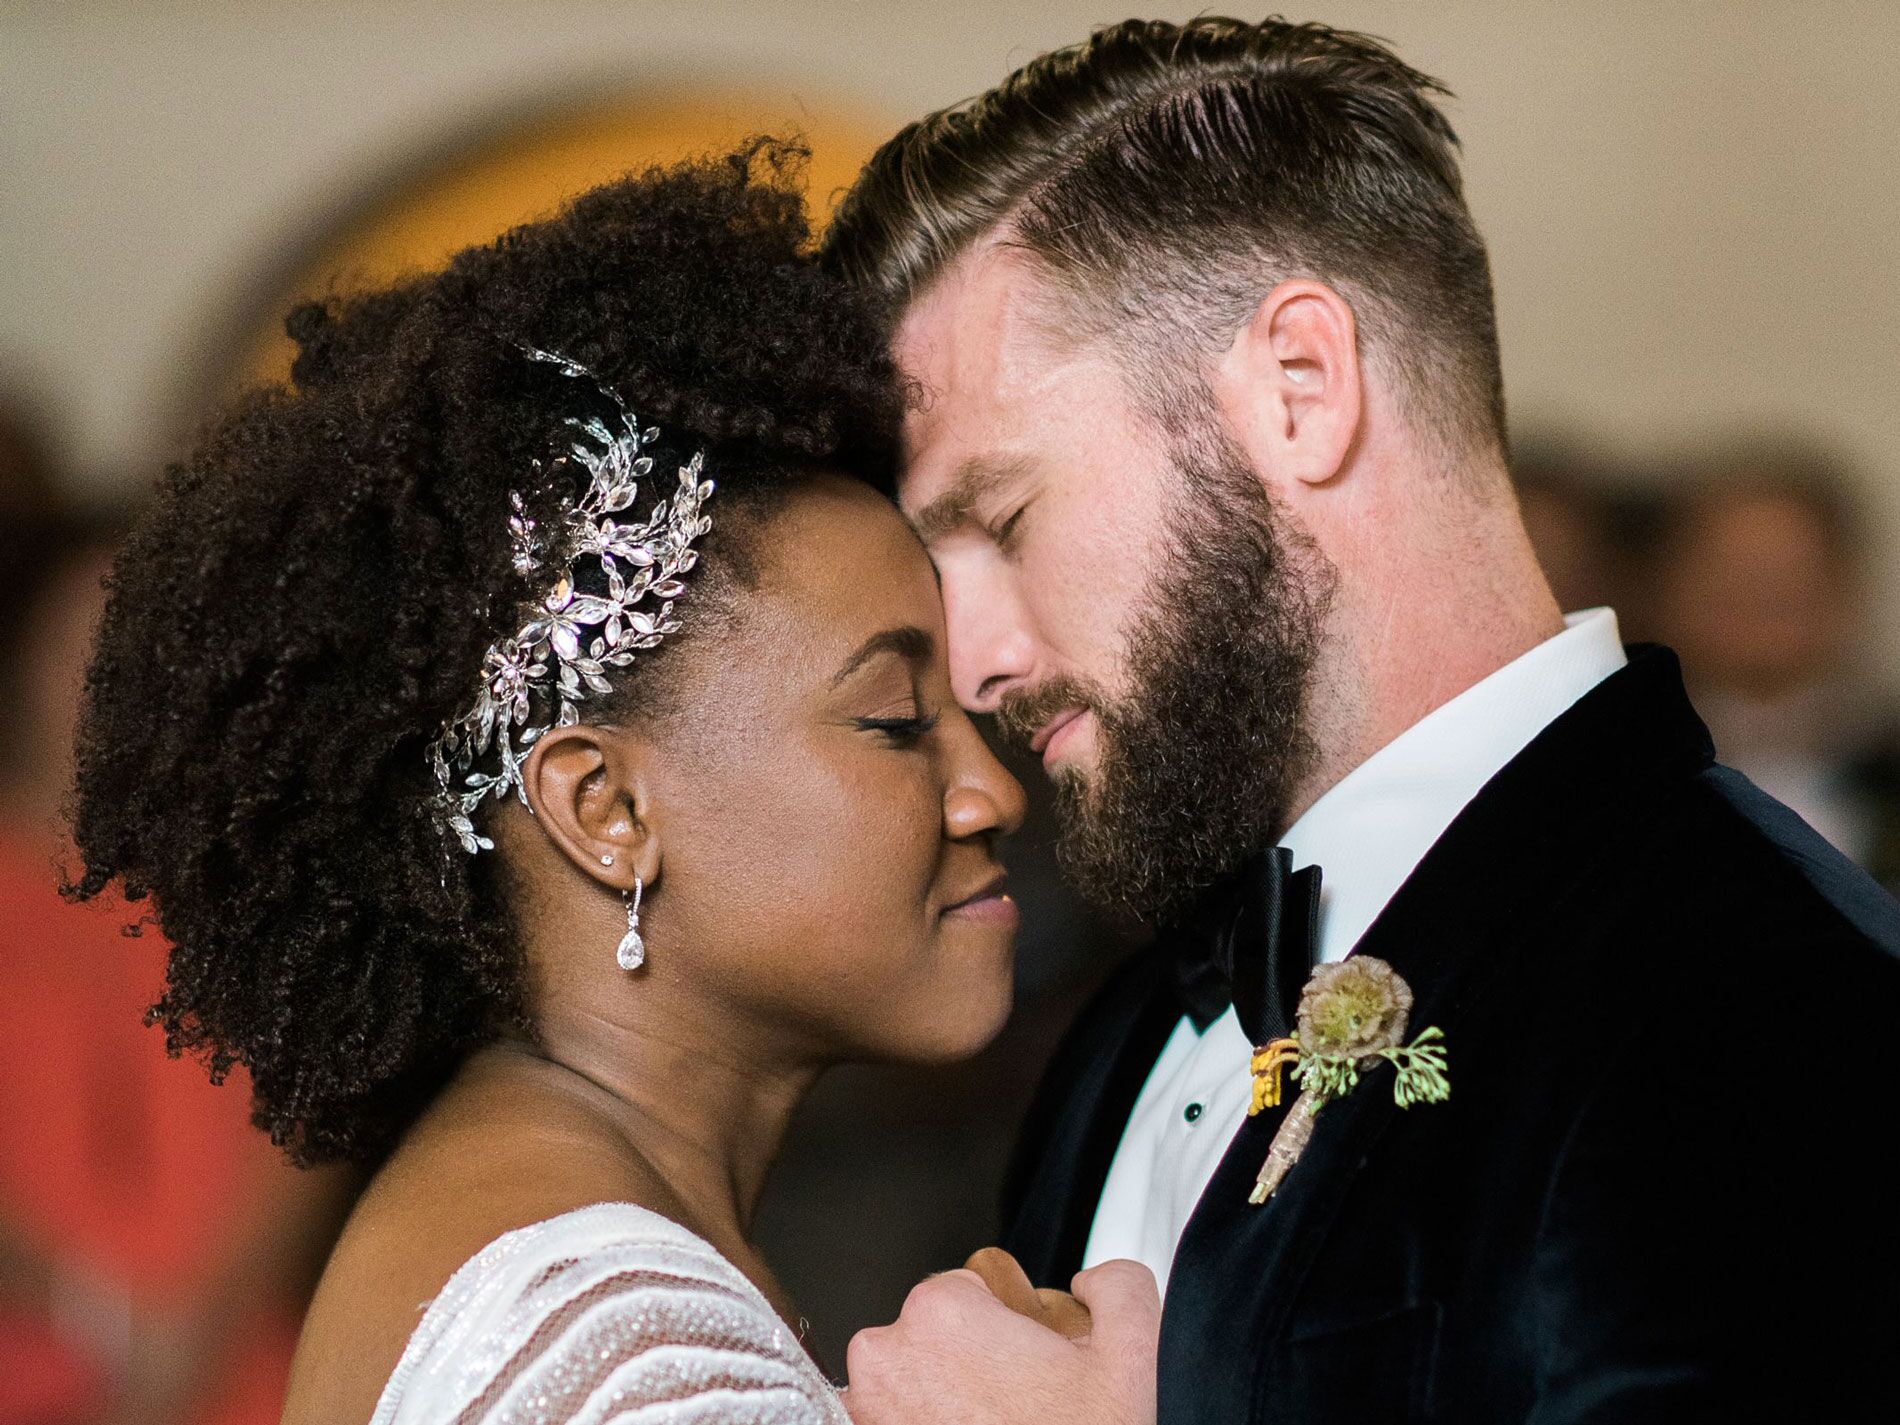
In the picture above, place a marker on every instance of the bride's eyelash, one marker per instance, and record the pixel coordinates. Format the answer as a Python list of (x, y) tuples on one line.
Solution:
[(901, 731)]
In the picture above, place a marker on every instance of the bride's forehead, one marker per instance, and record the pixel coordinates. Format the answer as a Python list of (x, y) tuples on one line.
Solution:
[(841, 555), (840, 522)]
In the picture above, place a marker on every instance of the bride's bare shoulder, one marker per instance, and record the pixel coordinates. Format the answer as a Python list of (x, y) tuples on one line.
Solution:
[(498, 1150)]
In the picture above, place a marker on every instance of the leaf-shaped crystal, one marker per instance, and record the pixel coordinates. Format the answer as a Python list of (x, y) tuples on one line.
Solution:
[(586, 609), (539, 678)]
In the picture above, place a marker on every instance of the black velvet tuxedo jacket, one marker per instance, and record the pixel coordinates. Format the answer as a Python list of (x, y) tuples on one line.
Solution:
[(1673, 1021)]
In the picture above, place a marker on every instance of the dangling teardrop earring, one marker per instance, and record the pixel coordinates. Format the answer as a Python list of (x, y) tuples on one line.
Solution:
[(632, 953)]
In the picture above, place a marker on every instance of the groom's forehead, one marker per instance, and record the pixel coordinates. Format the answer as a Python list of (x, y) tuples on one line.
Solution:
[(978, 328), (984, 367)]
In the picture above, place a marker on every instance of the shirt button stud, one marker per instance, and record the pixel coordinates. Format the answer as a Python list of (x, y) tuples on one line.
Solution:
[(1191, 1112)]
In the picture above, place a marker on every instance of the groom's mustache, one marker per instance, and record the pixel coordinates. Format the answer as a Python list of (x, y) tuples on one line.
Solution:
[(1020, 715)]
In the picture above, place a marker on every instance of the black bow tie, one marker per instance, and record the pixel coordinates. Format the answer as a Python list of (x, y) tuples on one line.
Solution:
[(1252, 945)]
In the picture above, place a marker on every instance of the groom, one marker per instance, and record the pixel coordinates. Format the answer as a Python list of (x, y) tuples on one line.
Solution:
[(1209, 452)]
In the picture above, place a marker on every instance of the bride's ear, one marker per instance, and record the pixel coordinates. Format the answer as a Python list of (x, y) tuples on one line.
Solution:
[(587, 788)]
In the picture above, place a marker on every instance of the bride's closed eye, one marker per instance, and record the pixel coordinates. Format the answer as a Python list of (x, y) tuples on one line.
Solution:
[(883, 672), (905, 731)]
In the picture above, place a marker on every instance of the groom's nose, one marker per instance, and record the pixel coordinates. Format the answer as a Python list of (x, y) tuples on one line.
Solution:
[(991, 647)]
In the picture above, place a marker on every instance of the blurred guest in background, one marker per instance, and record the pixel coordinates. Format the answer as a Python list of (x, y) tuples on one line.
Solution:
[(1760, 590), (1595, 524), (1565, 502), (139, 1210)]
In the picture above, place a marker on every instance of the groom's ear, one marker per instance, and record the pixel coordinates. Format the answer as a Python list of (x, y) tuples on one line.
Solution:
[(1290, 385), (587, 787)]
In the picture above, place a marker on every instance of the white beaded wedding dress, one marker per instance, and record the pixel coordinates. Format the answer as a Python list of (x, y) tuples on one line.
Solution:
[(608, 1315)]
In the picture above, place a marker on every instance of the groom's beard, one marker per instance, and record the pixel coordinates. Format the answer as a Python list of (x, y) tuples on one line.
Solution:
[(1197, 763)]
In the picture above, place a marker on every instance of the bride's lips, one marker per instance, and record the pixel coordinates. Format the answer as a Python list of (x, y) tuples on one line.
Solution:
[(989, 905)]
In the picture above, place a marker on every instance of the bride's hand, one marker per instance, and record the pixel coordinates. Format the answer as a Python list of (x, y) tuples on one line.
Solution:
[(1009, 1284), (958, 1356)]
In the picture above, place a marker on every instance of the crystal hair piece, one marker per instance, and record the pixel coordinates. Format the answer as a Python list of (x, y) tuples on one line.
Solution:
[(538, 677)]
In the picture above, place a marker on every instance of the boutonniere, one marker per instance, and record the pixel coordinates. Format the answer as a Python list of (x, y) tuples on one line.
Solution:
[(1352, 1017)]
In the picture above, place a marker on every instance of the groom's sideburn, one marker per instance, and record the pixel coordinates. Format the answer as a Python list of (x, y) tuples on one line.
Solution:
[(1668, 1007)]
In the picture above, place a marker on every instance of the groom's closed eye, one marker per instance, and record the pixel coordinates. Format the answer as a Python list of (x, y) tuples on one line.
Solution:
[(979, 482), (1007, 529)]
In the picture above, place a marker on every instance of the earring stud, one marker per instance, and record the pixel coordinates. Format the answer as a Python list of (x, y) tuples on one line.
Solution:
[(607, 860)]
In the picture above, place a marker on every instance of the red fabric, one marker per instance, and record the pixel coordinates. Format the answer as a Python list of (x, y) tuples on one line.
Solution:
[(252, 1391), (112, 1154), (46, 1381), (43, 1381)]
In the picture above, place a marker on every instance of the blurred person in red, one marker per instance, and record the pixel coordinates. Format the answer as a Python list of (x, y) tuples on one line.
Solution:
[(1761, 590), (144, 1223)]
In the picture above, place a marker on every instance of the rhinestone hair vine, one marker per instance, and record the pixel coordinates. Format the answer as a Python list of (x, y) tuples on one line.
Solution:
[(538, 677)]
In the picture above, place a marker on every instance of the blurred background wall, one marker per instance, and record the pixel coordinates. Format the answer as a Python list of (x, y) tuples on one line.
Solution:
[(1691, 207), (1691, 210)]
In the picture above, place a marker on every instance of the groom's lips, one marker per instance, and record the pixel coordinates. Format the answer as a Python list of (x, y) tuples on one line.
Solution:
[(1047, 733)]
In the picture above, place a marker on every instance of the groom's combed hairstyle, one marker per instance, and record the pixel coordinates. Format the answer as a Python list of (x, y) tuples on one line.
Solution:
[(1167, 175)]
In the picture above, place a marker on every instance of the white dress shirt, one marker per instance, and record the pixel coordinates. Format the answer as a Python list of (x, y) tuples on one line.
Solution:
[(1367, 835)]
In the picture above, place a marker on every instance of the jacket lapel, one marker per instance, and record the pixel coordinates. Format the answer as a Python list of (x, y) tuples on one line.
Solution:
[(1501, 869)]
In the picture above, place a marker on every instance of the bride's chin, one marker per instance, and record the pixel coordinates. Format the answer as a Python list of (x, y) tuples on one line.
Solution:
[(944, 1001), (959, 1027)]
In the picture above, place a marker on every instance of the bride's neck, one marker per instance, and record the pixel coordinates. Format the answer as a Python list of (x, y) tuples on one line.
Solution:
[(703, 1103)]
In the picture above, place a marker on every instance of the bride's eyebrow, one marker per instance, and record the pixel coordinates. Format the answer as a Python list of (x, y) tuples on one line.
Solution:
[(909, 643)]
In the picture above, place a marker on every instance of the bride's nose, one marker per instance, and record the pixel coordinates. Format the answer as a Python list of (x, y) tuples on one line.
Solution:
[(984, 800)]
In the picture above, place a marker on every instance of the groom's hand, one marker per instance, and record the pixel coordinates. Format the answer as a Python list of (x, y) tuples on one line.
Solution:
[(958, 1356)]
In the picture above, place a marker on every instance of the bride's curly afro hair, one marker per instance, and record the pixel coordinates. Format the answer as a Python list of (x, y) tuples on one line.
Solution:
[(313, 592)]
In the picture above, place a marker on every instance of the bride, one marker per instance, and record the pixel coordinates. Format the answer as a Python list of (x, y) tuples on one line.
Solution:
[(534, 736)]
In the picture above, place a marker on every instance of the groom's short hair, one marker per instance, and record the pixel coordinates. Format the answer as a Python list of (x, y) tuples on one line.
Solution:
[(1167, 175)]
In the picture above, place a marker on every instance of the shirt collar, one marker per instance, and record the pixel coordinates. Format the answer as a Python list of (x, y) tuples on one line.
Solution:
[(1372, 828)]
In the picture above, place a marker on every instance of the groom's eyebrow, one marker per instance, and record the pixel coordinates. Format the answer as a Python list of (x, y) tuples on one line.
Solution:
[(909, 642), (956, 506)]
